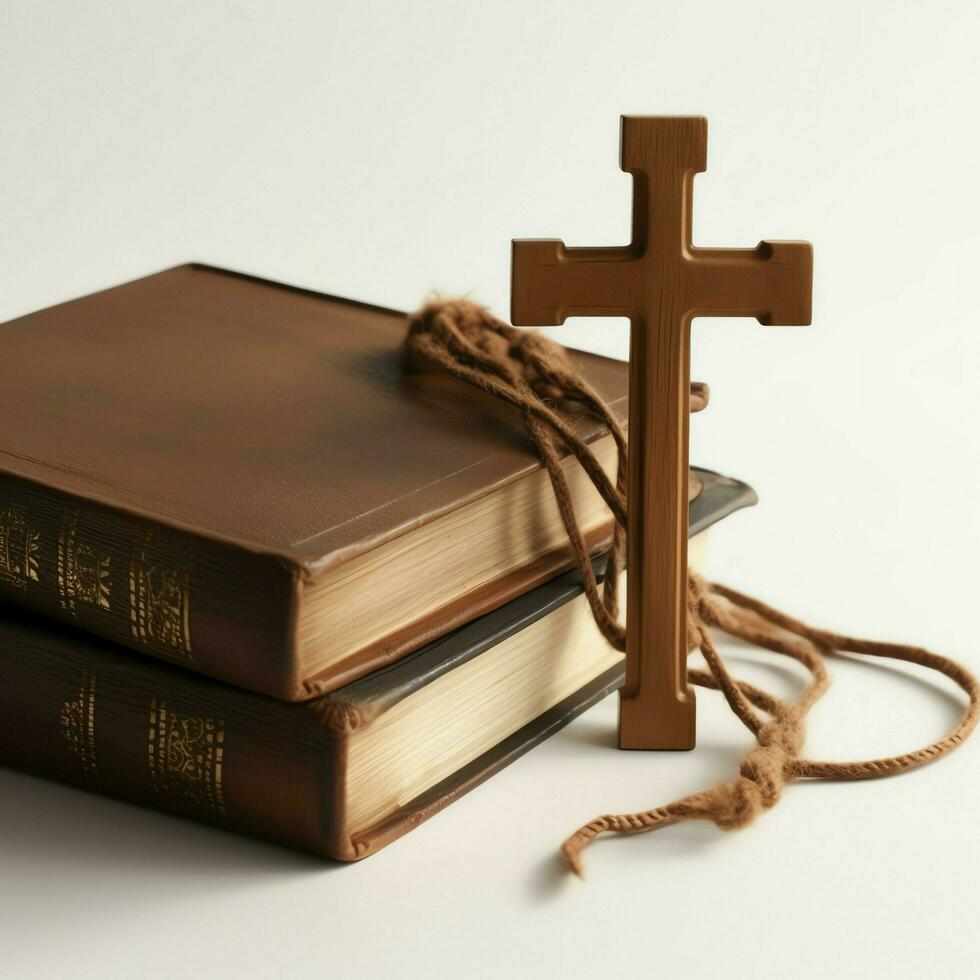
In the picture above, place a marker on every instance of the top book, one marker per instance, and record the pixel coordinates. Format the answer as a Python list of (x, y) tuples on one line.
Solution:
[(241, 477)]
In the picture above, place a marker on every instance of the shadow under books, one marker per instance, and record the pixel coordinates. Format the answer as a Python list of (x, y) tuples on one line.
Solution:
[(77, 833)]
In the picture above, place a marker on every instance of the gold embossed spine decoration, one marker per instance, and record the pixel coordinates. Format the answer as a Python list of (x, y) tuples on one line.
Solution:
[(19, 545), (145, 586), (83, 569), (77, 719), (185, 754), (159, 591)]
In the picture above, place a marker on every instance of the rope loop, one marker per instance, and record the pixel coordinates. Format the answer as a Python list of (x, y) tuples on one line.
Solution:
[(535, 374)]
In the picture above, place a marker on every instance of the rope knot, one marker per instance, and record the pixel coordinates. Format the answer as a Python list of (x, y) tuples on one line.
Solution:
[(736, 804), (786, 732), (766, 767)]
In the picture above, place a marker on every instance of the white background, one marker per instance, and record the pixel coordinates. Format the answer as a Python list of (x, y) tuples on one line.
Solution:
[(380, 151)]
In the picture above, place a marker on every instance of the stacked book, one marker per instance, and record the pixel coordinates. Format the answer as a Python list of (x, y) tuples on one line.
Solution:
[(256, 573)]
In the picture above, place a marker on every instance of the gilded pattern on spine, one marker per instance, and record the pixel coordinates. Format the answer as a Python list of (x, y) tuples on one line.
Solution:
[(78, 725), (83, 569), (19, 546), (159, 592), (185, 757)]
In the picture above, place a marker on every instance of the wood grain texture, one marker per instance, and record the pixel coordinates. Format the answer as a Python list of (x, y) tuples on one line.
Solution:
[(661, 281)]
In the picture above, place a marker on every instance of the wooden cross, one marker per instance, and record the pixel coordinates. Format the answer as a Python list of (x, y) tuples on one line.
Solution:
[(661, 282)]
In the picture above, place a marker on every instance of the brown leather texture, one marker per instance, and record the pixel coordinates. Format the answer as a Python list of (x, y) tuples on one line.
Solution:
[(259, 434), (87, 713), (276, 419)]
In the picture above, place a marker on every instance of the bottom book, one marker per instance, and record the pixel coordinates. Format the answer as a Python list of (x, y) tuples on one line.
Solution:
[(341, 775)]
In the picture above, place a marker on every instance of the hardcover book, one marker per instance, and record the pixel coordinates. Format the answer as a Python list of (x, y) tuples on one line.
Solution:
[(339, 775), (242, 478)]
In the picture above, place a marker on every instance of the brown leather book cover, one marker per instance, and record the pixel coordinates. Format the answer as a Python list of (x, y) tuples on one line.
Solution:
[(84, 712), (183, 455)]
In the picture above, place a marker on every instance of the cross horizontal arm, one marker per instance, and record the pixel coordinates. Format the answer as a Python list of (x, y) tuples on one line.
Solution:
[(772, 282), (551, 282)]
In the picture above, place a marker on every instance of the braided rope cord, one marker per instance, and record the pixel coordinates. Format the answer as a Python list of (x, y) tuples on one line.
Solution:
[(532, 373)]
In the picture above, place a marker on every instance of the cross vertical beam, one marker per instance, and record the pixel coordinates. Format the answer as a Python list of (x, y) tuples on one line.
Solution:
[(661, 282)]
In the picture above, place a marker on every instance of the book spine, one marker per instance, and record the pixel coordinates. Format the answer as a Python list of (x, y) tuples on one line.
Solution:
[(201, 604), (152, 735)]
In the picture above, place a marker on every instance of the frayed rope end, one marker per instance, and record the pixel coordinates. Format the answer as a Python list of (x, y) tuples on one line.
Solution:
[(572, 852)]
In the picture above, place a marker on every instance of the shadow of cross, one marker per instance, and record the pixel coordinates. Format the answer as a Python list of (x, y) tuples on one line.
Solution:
[(661, 282)]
